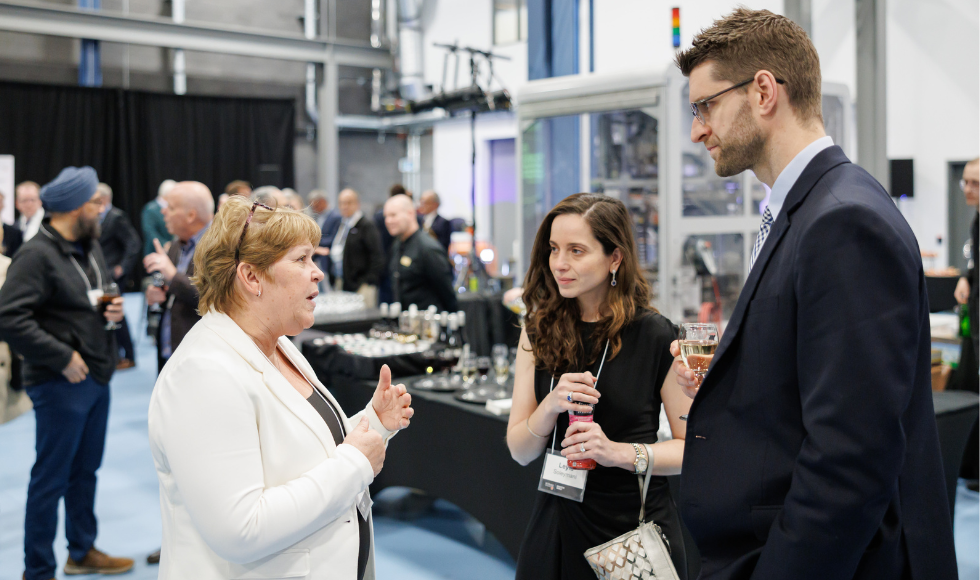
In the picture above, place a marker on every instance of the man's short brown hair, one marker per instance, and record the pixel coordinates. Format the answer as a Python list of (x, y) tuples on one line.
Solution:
[(747, 41), (238, 187)]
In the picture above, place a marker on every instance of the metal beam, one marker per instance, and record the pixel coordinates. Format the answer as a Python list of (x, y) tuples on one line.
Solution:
[(872, 127), (36, 18)]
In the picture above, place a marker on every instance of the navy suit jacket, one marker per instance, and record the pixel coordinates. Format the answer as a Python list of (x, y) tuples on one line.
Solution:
[(442, 230), (327, 232), (812, 450)]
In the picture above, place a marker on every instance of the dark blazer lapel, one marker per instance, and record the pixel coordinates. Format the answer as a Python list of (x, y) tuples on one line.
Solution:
[(821, 164)]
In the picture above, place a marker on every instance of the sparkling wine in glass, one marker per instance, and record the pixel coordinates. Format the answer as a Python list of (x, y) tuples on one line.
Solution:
[(697, 342), (468, 369)]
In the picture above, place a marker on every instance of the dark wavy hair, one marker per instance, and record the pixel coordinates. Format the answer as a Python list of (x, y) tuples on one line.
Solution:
[(551, 319)]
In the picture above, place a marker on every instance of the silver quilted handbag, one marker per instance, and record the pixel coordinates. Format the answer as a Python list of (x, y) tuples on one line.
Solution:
[(639, 554)]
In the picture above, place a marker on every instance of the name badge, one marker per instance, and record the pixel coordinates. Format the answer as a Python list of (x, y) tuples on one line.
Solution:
[(364, 503), (557, 478), (406, 261), (94, 296)]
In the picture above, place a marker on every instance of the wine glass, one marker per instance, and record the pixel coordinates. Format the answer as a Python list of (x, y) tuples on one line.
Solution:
[(501, 363), (697, 342), (483, 365), (109, 293), (468, 369)]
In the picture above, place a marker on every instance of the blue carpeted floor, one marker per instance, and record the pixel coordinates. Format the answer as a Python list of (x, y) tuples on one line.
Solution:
[(415, 540)]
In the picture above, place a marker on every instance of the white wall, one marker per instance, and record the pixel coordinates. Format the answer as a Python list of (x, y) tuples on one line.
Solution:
[(933, 104), (451, 150), (631, 34), (835, 37)]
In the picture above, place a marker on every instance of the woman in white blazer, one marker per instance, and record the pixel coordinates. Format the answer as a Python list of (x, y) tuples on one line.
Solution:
[(261, 473)]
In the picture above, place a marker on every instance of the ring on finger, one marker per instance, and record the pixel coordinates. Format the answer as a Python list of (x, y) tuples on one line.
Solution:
[(569, 397), (582, 447)]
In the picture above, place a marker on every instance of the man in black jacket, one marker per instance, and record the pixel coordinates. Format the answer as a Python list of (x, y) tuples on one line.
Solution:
[(384, 282), (356, 257), (419, 268), (121, 248), (51, 313)]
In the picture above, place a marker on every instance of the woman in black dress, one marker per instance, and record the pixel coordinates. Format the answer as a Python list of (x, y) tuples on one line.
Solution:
[(584, 290)]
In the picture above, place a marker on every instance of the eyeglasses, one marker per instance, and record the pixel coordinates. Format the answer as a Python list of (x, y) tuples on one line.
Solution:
[(971, 182), (700, 108), (251, 213)]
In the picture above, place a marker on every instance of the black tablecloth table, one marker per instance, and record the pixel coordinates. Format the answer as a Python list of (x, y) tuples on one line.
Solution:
[(940, 290), (458, 452)]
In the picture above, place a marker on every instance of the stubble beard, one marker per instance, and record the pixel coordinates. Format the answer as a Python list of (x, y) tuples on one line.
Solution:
[(744, 146)]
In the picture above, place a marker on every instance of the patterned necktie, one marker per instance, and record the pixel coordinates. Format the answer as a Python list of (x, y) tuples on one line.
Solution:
[(761, 238)]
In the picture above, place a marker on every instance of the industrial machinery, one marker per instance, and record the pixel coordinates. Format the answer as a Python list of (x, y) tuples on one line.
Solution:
[(628, 135)]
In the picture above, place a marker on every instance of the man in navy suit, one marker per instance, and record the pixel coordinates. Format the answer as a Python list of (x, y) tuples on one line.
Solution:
[(329, 222), (811, 449), (432, 223)]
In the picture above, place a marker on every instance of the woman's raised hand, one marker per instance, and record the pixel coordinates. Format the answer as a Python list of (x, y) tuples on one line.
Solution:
[(571, 389), (392, 403)]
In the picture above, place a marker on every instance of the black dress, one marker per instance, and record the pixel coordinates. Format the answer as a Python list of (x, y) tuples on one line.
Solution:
[(561, 530)]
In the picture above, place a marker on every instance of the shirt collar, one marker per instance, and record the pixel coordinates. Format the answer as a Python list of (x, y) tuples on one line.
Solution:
[(105, 212), (787, 179), (197, 237), (354, 218)]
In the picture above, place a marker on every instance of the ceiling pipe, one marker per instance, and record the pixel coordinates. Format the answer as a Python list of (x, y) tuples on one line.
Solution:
[(411, 82), (180, 62), (309, 31)]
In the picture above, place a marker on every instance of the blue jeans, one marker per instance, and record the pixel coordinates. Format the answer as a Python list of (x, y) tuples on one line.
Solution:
[(71, 427)]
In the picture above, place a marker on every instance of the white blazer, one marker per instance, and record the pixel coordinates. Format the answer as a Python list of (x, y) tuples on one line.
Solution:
[(251, 482)]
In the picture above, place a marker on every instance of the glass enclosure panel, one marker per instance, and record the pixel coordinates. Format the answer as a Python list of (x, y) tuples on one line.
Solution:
[(758, 194), (833, 118), (712, 269), (550, 161), (625, 165), (704, 193)]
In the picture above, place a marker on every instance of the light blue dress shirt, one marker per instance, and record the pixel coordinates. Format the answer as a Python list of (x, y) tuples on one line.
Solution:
[(787, 179)]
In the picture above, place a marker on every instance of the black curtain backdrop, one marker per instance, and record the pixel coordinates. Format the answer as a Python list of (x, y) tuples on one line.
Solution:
[(136, 139)]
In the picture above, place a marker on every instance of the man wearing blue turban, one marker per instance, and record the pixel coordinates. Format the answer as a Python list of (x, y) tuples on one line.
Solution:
[(52, 314)]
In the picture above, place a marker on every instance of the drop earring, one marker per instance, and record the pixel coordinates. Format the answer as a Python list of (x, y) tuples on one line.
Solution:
[(613, 283)]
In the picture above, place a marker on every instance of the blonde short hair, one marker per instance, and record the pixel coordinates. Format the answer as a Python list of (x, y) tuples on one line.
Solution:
[(270, 235)]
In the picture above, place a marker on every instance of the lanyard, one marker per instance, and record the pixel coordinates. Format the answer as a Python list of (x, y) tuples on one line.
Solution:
[(554, 436), (91, 261)]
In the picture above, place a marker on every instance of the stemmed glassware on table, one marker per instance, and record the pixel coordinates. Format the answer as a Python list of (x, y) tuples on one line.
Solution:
[(698, 342), (501, 369)]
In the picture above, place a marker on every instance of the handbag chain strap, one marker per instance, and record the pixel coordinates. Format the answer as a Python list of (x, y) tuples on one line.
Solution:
[(646, 483)]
